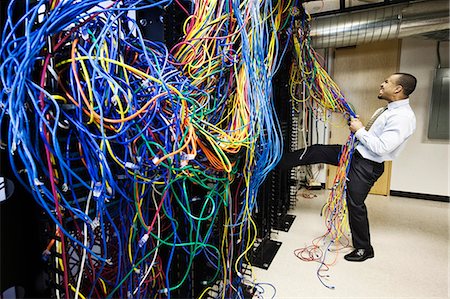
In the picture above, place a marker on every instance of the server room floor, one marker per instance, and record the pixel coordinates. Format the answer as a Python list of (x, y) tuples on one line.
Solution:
[(411, 242)]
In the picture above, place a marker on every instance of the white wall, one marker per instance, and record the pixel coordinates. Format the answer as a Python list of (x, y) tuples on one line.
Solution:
[(423, 167)]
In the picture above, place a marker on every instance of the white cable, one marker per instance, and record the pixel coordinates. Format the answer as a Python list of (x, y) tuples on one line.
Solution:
[(303, 118), (58, 295), (83, 259), (2, 188)]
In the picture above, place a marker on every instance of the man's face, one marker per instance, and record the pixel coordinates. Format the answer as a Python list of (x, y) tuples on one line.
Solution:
[(388, 88)]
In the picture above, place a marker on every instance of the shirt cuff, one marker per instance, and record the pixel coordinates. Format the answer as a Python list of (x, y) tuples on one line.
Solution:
[(360, 133)]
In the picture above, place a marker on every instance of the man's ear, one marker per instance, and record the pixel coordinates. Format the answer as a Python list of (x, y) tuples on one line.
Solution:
[(398, 89)]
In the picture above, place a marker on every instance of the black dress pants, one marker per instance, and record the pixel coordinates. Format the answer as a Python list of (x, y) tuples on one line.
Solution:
[(362, 175)]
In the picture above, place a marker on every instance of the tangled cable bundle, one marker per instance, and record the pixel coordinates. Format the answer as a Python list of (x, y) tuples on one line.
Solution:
[(321, 94), (143, 157)]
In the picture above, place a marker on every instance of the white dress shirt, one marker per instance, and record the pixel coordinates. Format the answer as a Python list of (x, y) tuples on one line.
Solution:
[(388, 134)]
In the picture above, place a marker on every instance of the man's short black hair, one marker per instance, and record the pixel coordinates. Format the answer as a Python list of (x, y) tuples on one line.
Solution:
[(407, 81)]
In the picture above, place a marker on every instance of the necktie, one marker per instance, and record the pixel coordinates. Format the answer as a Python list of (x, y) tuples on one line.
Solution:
[(374, 118)]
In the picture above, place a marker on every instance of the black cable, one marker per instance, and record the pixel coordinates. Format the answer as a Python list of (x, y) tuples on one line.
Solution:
[(438, 54)]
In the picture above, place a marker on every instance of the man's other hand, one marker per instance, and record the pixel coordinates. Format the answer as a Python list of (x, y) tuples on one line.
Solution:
[(355, 124)]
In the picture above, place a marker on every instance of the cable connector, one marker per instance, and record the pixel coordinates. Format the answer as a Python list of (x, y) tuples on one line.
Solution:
[(84, 33), (187, 157), (95, 223), (146, 83), (37, 182), (163, 291), (46, 254), (13, 147), (143, 240), (64, 124), (115, 99), (97, 190), (132, 166), (109, 190), (195, 198)]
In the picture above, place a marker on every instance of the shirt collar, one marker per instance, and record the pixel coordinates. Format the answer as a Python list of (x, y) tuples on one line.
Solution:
[(396, 104)]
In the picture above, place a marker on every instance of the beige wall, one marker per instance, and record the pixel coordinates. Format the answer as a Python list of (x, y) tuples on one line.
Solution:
[(423, 167)]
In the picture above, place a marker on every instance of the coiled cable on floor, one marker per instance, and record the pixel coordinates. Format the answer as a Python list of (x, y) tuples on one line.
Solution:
[(320, 92)]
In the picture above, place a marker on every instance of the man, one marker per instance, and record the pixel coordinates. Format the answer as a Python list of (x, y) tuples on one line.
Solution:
[(380, 140)]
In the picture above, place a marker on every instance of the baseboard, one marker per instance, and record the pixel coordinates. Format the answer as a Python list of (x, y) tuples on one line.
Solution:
[(420, 196)]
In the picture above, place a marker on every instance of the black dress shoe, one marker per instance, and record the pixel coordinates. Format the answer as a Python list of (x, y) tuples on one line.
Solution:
[(359, 255)]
